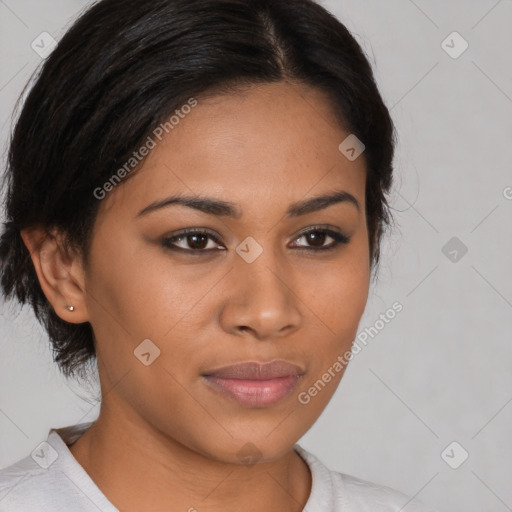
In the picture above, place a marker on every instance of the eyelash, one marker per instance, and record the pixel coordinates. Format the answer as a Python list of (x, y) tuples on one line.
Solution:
[(339, 239)]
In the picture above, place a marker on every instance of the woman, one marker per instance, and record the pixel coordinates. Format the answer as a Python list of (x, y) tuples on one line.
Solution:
[(196, 198)]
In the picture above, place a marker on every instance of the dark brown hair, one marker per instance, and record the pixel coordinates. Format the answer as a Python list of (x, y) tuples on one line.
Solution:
[(119, 72)]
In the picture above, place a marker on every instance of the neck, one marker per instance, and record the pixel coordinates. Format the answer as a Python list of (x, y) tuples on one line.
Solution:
[(139, 468)]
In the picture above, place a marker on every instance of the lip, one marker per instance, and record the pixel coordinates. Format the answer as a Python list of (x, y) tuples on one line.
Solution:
[(254, 384), (253, 370)]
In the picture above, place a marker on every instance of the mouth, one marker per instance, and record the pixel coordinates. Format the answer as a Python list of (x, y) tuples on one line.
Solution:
[(254, 384)]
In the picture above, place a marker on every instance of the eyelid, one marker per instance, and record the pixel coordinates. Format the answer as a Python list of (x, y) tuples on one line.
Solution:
[(339, 239), (317, 227), (191, 231), (187, 231)]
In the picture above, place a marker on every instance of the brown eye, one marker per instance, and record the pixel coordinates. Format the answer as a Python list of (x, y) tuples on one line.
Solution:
[(192, 241), (316, 238), (197, 241)]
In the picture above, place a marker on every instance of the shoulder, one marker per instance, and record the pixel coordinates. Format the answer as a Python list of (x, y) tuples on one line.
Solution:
[(50, 480), (346, 493), (369, 496), (25, 485)]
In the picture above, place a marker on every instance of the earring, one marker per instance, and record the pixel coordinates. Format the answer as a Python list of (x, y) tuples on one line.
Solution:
[(71, 308)]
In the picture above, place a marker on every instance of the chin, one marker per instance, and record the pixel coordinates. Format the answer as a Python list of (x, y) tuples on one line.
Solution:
[(247, 450)]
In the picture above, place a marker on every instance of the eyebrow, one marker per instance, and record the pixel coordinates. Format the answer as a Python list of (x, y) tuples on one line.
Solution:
[(221, 208)]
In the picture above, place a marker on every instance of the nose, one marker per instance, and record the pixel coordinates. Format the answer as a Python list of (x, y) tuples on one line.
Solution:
[(262, 300)]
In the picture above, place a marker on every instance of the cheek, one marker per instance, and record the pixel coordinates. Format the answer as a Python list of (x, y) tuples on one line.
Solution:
[(138, 290), (135, 300), (340, 296), (145, 297), (340, 299)]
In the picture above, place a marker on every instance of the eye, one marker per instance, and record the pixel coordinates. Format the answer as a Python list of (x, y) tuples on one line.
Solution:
[(201, 241), (192, 241), (317, 237)]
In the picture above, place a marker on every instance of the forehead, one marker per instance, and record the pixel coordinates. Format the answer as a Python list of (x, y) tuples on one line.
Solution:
[(261, 143)]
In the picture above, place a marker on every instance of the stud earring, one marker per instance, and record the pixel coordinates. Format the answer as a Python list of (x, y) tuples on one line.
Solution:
[(70, 308)]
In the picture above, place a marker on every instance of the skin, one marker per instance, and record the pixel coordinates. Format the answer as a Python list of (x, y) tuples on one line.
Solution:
[(164, 440)]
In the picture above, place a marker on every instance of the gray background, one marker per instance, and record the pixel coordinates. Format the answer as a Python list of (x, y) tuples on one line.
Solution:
[(440, 371)]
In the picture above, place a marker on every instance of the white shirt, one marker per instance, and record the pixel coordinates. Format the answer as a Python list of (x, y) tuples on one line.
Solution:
[(50, 479)]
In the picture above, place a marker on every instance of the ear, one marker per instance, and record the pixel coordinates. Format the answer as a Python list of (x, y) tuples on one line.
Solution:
[(60, 273)]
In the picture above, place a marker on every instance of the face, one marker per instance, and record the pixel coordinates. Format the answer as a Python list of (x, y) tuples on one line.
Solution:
[(259, 279)]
